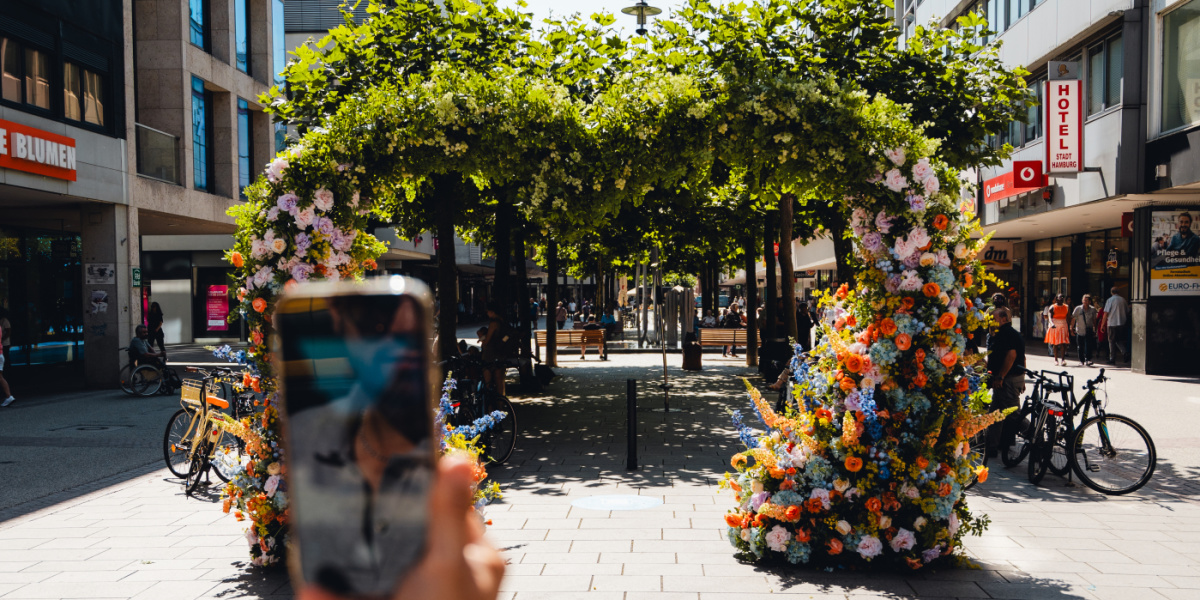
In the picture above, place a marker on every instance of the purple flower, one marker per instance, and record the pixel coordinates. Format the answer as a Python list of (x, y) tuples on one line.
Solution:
[(917, 203), (913, 260), (873, 242), (303, 241), (302, 271), (325, 226), (931, 554), (758, 499), (892, 284), (883, 222), (287, 202)]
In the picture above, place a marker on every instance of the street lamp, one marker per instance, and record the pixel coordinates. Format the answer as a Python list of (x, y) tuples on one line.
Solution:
[(641, 10)]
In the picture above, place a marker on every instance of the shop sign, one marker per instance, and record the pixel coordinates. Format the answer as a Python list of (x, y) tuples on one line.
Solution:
[(998, 256), (1127, 224), (25, 148), (1174, 254), (100, 274), (137, 277), (217, 308), (1026, 176), (1064, 126)]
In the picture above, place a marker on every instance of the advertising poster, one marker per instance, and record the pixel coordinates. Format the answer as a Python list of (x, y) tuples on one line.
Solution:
[(100, 274), (1174, 254), (218, 307)]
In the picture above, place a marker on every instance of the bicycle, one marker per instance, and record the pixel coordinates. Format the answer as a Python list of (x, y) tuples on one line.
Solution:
[(1110, 453), (476, 399), (193, 438), (149, 379)]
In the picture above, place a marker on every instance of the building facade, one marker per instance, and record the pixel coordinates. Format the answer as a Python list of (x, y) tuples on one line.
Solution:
[(1106, 222), (132, 128)]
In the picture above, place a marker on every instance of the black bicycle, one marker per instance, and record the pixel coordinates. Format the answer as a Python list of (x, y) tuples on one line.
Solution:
[(472, 399), (1110, 453)]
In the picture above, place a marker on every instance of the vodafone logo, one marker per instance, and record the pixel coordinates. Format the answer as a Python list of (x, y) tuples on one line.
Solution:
[(1027, 174)]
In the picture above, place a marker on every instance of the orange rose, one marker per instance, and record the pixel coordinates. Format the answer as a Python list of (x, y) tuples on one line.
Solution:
[(920, 355), (963, 385), (246, 380), (940, 222), (835, 546), (888, 327), (370, 264), (260, 305), (848, 384), (256, 385), (839, 324), (947, 320), (920, 380), (931, 290), (787, 484), (922, 462), (854, 363), (733, 520), (792, 513), (851, 321), (907, 303), (853, 464), (814, 505), (803, 536), (776, 473), (903, 341), (949, 359), (236, 259), (874, 505), (842, 292), (944, 490), (967, 281), (982, 475), (256, 337)]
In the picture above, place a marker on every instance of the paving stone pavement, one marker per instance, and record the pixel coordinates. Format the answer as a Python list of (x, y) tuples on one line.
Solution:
[(141, 538)]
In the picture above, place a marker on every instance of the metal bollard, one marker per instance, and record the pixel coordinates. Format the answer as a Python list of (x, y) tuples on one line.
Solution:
[(631, 463)]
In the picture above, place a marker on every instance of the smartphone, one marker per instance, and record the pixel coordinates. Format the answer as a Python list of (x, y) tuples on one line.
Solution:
[(358, 407)]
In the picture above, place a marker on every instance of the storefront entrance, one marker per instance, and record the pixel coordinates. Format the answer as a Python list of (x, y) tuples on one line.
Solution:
[(40, 280)]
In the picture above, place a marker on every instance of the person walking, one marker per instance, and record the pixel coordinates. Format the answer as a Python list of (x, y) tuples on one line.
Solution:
[(804, 325), (732, 320), (1117, 311), (560, 315), (5, 340), (1083, 322), (1006, 363), (1058, 337), (155, 326), (494, 349)]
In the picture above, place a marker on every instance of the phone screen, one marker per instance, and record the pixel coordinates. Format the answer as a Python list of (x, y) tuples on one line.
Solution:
[(359, 429)]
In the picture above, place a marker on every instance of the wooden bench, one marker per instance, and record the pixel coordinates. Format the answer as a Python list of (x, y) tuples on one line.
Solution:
[(581, 338), (716, 336)]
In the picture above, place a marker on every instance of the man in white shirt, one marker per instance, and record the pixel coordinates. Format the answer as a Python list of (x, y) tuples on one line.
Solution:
[(1116, 311)]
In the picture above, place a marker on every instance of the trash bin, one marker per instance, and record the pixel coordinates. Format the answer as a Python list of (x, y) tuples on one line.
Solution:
[(691, 353)]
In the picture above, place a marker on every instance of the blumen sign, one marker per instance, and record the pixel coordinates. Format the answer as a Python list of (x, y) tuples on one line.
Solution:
[(25, 148), (217, 308), (1064, 126)]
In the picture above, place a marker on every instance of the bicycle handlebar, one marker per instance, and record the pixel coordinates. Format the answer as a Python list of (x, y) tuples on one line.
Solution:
[(1100, 378)]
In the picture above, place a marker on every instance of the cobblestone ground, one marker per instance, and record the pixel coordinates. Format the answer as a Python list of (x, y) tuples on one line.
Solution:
[(140, 538)]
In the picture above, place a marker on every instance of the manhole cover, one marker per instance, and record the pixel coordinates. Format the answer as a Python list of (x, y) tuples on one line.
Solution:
[(617, 502)]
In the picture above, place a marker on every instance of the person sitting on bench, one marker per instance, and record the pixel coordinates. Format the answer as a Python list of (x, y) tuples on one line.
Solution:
[(592, 325)]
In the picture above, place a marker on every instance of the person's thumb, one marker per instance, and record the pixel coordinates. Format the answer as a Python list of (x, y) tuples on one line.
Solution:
[(450, 500)]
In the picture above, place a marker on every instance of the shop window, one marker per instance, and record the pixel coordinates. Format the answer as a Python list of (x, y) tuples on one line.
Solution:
[(1104, 73), (243, 125), (198, 22), (83, 94), (10, 63), (1181, 66), (37, 79), (201, 134), (241, 30), (278, 45)]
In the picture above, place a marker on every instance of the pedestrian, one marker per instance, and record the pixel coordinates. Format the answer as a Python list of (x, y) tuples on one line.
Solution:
[(1117, 310), (533, 313), (560, 315), (5, 392), (804, 325), (1006, 365), (1058, 337), (571, 309), (494, 349), (709, 319), (732, 320), (1083, 322), (155, 321)]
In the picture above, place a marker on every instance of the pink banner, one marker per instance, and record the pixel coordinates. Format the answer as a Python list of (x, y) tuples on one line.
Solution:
[(218, 307)]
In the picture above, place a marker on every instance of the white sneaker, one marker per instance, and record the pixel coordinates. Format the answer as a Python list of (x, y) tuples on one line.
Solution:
[(7, 401)]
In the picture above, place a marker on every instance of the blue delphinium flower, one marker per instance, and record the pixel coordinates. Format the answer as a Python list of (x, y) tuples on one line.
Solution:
[(746, 434)]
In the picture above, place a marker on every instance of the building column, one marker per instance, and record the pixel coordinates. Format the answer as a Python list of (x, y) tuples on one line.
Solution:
[(108, 242)]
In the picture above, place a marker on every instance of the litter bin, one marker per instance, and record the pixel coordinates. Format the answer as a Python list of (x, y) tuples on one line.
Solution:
[(691, 353)]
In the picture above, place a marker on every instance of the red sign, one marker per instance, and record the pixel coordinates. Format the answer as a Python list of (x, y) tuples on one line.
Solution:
[(217, 308), (1064, 126), (1026, 176), (1127, 225), (32, 150)]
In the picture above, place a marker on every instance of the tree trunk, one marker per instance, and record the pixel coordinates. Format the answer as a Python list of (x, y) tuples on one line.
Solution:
[(770, 292), (525, 366), (843, 248), (447, 278), (502, 282), (788, 286), (552, 304), (751, 304), (645, 305)]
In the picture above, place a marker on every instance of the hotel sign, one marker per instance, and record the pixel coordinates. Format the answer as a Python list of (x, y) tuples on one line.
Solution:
[(24, 148), (1064, 126)]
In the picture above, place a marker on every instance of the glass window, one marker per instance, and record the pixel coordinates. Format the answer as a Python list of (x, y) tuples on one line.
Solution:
[(1033, 113), (37, 79), (71, 92), (243, 124), (10, 63), (1095, 89), (196, 14), (93, 97), (1181, 66), (1105, 68), (241, 29), (200, 129), (1115, 72), (83, 94), (278, 46)]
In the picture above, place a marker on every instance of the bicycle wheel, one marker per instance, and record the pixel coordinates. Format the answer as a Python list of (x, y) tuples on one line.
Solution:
[(979, 455), (176, 441), (1113, 454), (197, 467), (145, 380), (461, 415), (1038, 451), (500, 440), (226, 456), (1014, 454), (1060, 463)]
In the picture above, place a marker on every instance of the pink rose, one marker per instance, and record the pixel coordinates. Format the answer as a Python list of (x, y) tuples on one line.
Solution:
[(932, 186), (323, 199), (896, 155), (895, 181), (276, 168), (305, 217), (869, 547)]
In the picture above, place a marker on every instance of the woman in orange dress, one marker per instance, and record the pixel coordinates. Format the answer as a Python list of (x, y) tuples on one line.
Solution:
[(1058, 336)]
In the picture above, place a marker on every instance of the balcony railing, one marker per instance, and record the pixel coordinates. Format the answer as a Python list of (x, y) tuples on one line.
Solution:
[(157, 155)]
